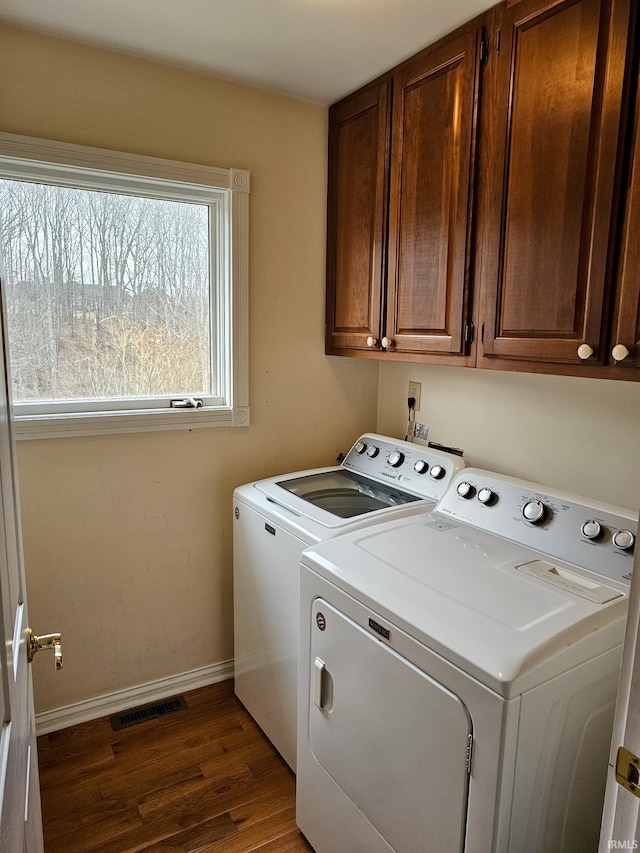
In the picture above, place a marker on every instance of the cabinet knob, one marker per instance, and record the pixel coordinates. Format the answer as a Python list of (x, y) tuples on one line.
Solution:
[(619, 352), (386, 342), (585, 351), (371, 342)]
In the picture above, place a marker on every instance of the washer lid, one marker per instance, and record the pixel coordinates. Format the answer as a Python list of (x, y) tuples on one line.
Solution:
[(464, 594), (345, 493), (332, 510)]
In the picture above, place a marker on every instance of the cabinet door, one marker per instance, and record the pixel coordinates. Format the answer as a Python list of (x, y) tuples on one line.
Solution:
[(626, 327), (356, 221), (432, 172), (551, 150)]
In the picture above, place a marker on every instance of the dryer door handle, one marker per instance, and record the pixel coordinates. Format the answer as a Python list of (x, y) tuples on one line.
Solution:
[(318, 669), (322, 687)]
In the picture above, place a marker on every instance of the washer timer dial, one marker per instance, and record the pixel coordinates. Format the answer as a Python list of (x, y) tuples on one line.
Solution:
[(534, 511), (396, 459)]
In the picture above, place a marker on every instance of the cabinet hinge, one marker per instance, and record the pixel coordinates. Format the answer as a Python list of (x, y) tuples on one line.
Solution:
[(468, 333), (482, 333), (498, 40), (469, 752), (484, 51)]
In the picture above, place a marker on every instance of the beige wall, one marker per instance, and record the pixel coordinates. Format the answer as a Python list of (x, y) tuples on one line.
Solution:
[(128, 538), (580, 435)]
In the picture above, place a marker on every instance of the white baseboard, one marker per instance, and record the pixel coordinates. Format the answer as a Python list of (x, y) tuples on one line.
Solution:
[(122, 700)]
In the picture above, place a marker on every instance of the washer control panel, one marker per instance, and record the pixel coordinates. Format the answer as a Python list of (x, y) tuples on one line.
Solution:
[(596, 536), (414, 468)]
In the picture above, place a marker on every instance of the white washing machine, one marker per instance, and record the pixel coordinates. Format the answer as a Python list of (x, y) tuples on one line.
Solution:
[(458, 672), (274, 521)]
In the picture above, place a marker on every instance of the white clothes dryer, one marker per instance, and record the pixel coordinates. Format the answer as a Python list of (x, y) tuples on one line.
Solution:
[(458, 673), (274, 521)]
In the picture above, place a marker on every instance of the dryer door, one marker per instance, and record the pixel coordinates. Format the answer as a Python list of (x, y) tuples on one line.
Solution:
[(393, 739)]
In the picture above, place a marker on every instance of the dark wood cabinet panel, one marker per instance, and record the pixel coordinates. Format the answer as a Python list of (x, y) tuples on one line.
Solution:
[(432, 171), (356, 223), (626, 326), (550, 159), (551, 149), (547, 150)]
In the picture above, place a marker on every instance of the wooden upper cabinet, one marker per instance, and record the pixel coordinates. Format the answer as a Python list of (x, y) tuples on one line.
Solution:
[(432, 173), (494, 180), (626, 326), (550, 153), (399, 207), (357, 217)]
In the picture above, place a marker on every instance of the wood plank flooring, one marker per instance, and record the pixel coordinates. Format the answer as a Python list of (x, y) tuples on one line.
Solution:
[(203, 779)]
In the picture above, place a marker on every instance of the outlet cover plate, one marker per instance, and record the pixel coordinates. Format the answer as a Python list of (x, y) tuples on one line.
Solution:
[(415, 389)]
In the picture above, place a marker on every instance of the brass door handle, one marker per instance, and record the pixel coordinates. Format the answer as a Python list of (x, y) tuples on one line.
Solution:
[(46, 641)]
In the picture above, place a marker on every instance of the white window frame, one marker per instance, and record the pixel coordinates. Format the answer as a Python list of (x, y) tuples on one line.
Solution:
[(46, 161)]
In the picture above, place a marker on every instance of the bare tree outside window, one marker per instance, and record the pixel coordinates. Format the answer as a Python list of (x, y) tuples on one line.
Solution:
[(108, 295)]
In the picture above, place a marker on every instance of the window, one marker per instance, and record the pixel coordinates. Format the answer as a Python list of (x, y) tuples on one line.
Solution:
[(126, 286)]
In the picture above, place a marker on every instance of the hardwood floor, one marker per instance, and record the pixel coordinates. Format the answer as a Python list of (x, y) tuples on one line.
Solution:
[(203, 779)]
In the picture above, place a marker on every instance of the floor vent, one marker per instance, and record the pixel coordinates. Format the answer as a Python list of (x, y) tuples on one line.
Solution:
[(147, 712)]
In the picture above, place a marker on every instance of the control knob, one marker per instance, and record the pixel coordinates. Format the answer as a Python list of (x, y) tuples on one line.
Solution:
[(437, 472), (466, 490), (486, 496), (372, 451), (624, 539), (592, 529), (396, 458), (421, 466), (360, 447), (534, 511)]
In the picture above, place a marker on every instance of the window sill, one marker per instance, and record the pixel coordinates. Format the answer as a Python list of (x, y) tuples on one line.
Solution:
[(112, 423)]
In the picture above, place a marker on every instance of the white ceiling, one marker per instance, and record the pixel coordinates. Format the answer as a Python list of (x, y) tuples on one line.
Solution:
[(318, 50)]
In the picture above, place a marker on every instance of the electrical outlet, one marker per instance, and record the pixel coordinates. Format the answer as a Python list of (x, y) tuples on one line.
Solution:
[(415, 389)]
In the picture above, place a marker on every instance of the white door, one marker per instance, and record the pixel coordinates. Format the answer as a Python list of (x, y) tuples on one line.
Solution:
[(621, 816), (20, 816)]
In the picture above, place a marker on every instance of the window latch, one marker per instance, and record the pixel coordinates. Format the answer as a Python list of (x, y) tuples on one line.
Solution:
[(187, 403)]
